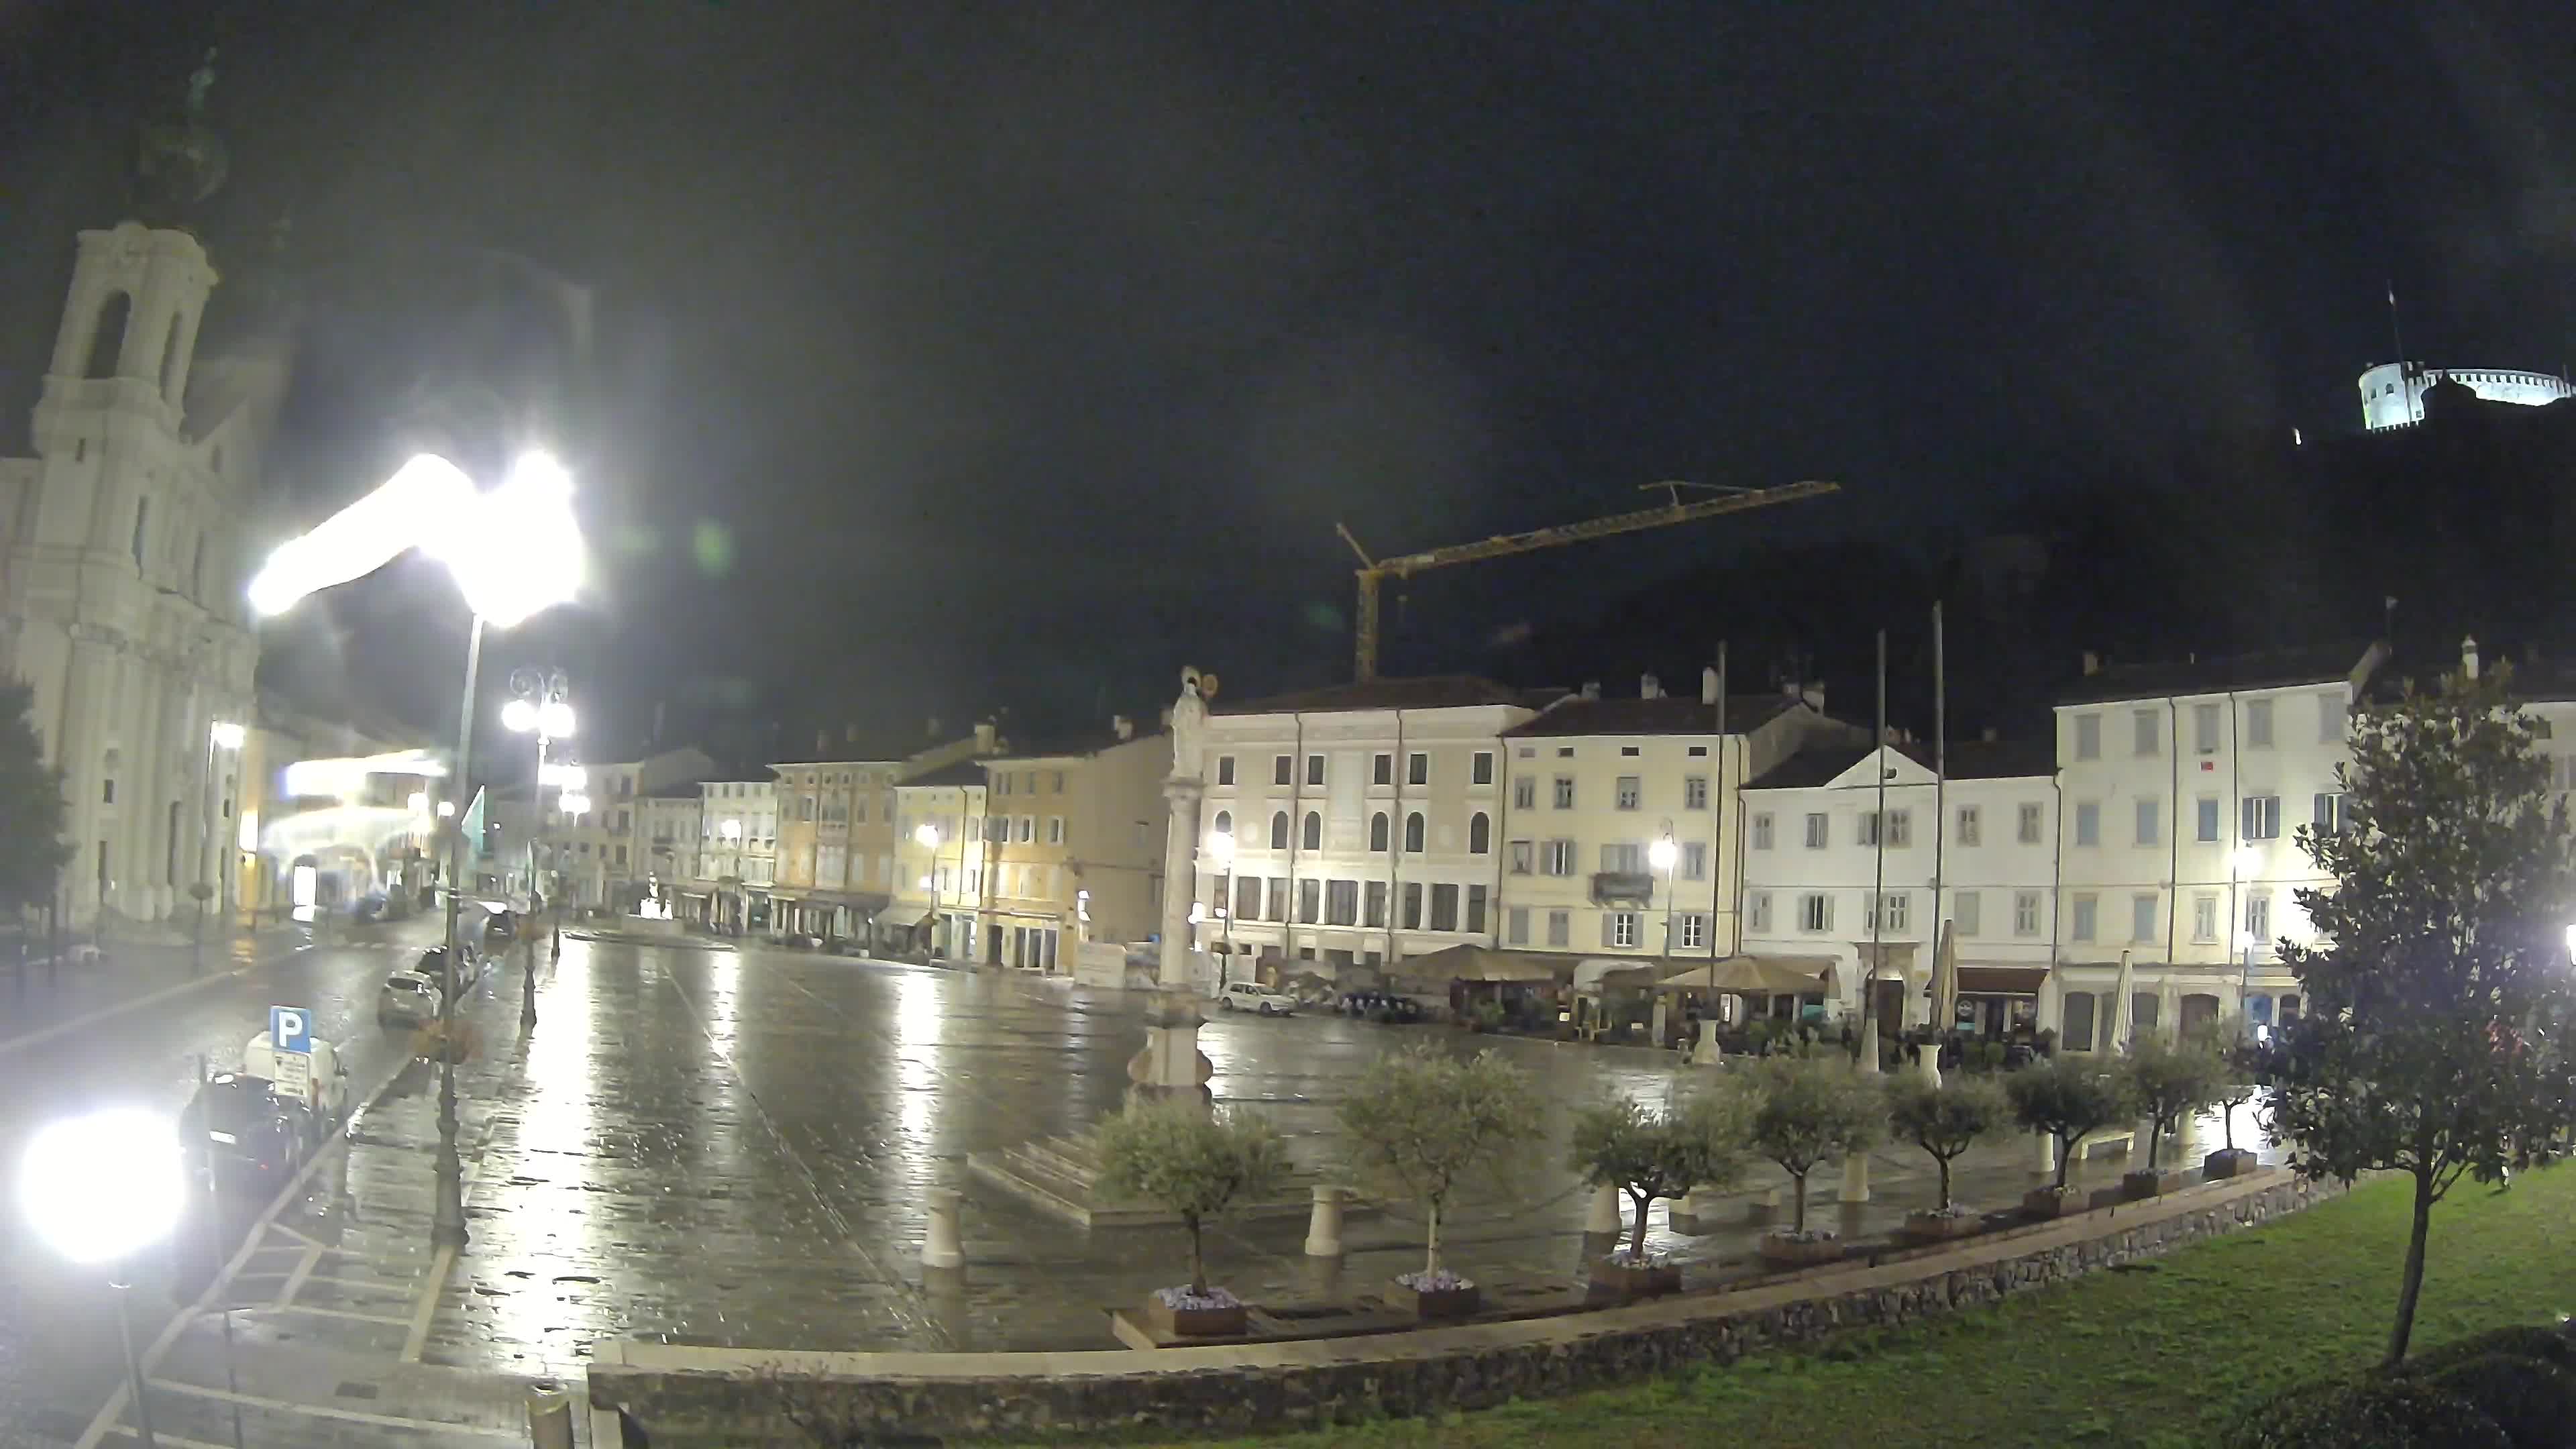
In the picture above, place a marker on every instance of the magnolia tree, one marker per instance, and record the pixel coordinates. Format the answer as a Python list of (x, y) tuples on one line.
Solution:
[(2066, 1098), (1421, 1123), (1807, 1109), (1945, 1121), (1194, 1163), (2169, 1081), (2440, 1000), (1648, 1154)]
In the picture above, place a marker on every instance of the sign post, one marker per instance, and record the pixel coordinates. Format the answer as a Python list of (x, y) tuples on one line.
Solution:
[(290, 1040)]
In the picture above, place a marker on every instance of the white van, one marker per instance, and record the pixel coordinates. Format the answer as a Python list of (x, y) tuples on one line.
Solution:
[(326, 1087)]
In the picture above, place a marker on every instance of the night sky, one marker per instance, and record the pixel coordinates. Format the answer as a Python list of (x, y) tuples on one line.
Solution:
[(950, 357)]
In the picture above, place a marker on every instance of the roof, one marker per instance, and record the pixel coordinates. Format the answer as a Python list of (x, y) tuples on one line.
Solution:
[(687, 790), (1071, 747), (962, 772), (1965, 760), (2218, 674), (1668, 715), (1437, 691)]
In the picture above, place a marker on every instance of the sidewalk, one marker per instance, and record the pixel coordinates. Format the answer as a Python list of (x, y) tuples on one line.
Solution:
[(44, 999)]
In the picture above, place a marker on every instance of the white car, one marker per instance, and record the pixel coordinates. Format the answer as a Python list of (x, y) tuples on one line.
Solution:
[(1253, 996), (408, 998)]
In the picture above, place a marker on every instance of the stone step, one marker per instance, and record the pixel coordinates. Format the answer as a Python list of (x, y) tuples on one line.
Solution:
[(1050, 1156)]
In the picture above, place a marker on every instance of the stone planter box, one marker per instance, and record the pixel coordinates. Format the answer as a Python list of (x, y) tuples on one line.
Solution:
[(1931, 1227), (1784, 1251), (2046, 1202), (1438, 1302), (1630, 1280), (2106, 1197), (2144, 1183), (2226, 1162), (1197, 1322)]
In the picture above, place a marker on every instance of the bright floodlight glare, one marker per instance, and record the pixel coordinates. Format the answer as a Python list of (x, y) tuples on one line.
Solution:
[(425, 496), (730, 830), (555, 717), (228, 735), (2246, 859), (1220, 846), (2571, 943), (568, 777), (419, 801), (446, 809), (103, 1186), (925, 834), (576, 804), (517, 550), (519, 716), (1663, 853)]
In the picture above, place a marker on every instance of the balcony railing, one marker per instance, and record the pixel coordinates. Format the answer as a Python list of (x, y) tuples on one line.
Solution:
[(1622, 885)]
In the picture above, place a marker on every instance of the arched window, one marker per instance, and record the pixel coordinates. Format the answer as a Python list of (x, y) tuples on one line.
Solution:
[(1313, 838), (1413, 833), (1480, 834), (1279, 830), (1377, 831), (107, 338), (1225, 822)]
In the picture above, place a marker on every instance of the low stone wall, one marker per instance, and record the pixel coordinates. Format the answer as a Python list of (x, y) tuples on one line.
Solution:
[(685, 1398)]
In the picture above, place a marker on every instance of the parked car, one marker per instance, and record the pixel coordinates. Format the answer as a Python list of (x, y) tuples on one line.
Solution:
[(469, 965), (501, 926), (1253, 996), (407, 998), (1381, 1006), (250, 1138)]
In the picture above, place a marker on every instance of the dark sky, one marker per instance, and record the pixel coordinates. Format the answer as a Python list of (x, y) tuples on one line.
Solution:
[(952, 356)]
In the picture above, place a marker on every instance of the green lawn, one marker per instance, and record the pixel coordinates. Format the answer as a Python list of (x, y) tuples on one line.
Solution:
[(2163, 1353)]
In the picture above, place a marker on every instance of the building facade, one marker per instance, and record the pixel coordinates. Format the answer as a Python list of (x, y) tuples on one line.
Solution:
[(836, 828), (737, 851), (1076, 849), (941, 830), (667, 823), (2392, 393)]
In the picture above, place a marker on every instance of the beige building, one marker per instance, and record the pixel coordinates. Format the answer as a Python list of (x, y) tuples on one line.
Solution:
[(1076, 848), (836, 828), (939, 852)]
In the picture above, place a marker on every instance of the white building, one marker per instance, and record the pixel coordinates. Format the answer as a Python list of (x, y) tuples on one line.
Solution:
[(2392, 393), (1594, 783), (737, 849), (1830, 882), (125, 556)]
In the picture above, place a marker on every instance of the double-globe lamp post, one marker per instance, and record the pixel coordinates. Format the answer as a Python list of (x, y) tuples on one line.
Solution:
[(99, 1189), (1220, 850), (537, 705), (514, 552)]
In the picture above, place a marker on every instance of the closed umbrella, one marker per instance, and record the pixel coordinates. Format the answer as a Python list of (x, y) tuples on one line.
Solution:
[(1945, 979), (2120, 1004)]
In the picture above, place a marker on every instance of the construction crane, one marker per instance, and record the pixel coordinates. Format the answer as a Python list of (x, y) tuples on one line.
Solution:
[(1372, 571)]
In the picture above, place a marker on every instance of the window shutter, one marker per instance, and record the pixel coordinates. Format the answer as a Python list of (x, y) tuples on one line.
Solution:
[(1607, 939)]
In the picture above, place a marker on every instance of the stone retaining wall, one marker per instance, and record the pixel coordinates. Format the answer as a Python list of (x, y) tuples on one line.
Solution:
[(689, 1398)]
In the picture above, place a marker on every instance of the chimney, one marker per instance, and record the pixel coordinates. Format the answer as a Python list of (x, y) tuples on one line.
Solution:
[(1789, 687), (1649, 687), (984, 737), (1814, 695), (822, 742), (1708, 685), (2092, 662), (1592, 689), (1988, 734), (2469, 656), (1123, 727)]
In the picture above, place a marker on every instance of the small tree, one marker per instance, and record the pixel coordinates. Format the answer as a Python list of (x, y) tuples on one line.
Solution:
[(1420, 1122), (1945, 1121), (2169, 1081), (2246, 1068), (1649, 1154), (2066, 1098), (32, 849), (2441, 1006), (1807, 1109), (1194, 1162)]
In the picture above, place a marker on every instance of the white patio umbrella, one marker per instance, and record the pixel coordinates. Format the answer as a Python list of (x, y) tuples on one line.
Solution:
[(2121, 991)]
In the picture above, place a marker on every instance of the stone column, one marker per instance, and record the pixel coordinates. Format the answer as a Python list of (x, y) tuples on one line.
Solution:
[(1171, 1061), (1856, 1166), (1324, 1222), (1601, 1214)]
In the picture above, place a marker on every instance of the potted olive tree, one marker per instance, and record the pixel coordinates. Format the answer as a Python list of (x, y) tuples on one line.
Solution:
[(1197, 1164), (2244, 1066), (2168, 1081), (2064, 1098), (1805, 1110), (1945, 1121), (1421, 1124), (1647, 1154)]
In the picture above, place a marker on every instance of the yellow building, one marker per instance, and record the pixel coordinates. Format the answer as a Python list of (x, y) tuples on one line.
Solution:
[(1075, 847), (837, 866)]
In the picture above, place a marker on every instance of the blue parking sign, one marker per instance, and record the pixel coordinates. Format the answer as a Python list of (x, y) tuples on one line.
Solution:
[(290, 1029)]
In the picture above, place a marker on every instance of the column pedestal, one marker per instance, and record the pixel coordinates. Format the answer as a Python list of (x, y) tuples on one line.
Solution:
[(1708, 1053), (1171, 1063), (1856, 1178), (1324, 1223), (1601, 1214)]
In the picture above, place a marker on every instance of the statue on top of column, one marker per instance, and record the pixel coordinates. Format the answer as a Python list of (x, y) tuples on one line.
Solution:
[(1189, 722)]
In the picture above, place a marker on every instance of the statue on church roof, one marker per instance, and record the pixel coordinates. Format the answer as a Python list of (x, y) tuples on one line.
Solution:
[(181, 160)]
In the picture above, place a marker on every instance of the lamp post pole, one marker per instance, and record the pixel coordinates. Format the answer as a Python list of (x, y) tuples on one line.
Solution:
[(447, 1222)]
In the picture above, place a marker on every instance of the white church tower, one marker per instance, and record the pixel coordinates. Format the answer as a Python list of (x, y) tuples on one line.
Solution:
[(122, 551)]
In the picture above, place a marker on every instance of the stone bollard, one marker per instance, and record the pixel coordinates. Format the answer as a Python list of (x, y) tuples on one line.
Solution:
[(1601, 1215), (549, 1415), (2047, 1152), (1929, 1064), (940, 1247), (1324, 1222), (1709, 1053), (1856, 1177), (1763, 1208)]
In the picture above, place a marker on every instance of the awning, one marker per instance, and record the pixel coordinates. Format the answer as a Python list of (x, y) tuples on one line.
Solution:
[(1482, 963), (2001, 980), (900, 916), (1754, 976), (1594, 972)]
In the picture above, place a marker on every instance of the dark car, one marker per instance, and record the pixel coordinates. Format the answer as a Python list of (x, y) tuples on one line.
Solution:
[(501, 926), (251, 1139), (469, 966), (1381, 1006)]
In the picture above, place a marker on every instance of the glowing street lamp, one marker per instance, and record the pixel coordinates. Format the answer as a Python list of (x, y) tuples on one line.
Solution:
[(1220, 849), (537, 706), (101, 1188), (1662, 855)]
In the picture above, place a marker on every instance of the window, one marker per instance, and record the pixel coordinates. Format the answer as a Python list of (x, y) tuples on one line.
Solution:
[(2147, 724), (1417, 769), (1969, 830), (1629, 793), (1815, 912), (2258, 919), (1314, 769), (621, 855), (1377, 831), (1757, 911), (107, 791), (1565, 792), (1519, 854), (1694, 925), (1525, 793), (1900, 828), (1312, 837), (1382, 770), (142, 522), (1695, 860), (1481, 770), (1516, 926), (2150, 822), (2142, 918), (1374, 904), (1247, 898), (1619, 929), (1868, 827), (1342, 903), (2204, 728), (2026, 827), (1762, 831), (1002, 783), (2204, 916), (1897, 911), (1560, 928), (2330, 717), (2088, 737), (2088, 822), (1279, 830), (1055, 830), (1310, 901), (1444, 907), (1697, 752), (2262, 817), (1475, 909), (2025, 913), (2205, 819), (1625, 857), (2258, 724), (1028, 829), (1280, 766), (2078, 1035), (2087, 909), (2333, 813), (1413, 833), (1816, 831), (1694, 792), (1629, 751), (1556, 857), (1225, 769), (1480, 834)]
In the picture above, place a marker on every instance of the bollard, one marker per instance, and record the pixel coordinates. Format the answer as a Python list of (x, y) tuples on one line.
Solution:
[(1856, 1177), (1324, 1223), (1929, 1064), (1709, 1053), (2047, 1152), (1764, 1208), (1601, 1215), (549, 1415), (939, 1247)]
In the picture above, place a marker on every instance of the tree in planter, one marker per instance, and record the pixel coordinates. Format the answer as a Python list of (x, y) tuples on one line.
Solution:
[(1648, 1154), (32, 849), (2066, 1098), (1945, 1121), (2440, 1039), (1195, 1163), (1422, 1122), (1807, 1109), (2169, 1081)]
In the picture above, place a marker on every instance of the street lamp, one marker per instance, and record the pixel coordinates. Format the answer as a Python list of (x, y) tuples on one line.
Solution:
[(220, 735), (514, 552), (1662, 855), (537, 706), (1220, 848), (101, 1188)]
